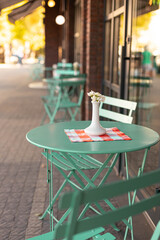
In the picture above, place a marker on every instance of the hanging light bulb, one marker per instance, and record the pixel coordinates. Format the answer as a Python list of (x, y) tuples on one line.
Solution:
[(51, 3), (60, 19)]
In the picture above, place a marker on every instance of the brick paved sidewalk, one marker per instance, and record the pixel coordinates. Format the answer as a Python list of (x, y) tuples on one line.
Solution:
[(22, 179), (23, 187)]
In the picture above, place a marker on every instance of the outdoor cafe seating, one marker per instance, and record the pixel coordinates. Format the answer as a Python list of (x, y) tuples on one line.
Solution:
[(65, 94), (93, 226), (71, 159)]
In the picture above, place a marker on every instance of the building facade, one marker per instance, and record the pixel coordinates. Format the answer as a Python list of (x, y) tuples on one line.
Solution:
[(108, 39), (117, 45)]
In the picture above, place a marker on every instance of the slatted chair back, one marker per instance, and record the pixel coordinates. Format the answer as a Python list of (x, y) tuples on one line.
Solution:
[(129, 106), (75, 228), (61, 65), (58, 72)]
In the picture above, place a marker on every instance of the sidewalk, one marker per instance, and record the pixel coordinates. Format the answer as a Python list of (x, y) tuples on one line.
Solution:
[(23, 185), (21, 174)]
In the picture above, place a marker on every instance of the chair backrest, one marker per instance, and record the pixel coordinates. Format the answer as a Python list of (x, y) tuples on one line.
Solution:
[(76, 199), (58, 72), (64, 65), (120, 104), (72, 80)]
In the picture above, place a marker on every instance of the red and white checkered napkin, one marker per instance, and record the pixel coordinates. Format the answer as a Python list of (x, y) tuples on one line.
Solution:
[(112, 134)]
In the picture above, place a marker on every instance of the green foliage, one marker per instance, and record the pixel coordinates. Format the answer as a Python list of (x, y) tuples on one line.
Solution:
[(141, 23), (30, 29), (19, 31)]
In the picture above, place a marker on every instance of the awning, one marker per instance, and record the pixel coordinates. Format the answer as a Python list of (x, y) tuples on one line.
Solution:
[(8, 3), (21, 11), (24, 10)]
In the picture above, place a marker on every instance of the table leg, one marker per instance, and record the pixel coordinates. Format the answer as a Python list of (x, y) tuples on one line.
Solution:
[(75, 169)]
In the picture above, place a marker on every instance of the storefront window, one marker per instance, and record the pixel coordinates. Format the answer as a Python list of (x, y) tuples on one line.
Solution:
[(108, 6), (114, 40), (118, 42), (144, 87), (118, 3), (107, 51)]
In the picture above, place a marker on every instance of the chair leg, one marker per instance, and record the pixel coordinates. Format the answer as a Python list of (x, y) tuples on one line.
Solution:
[(131, 201)]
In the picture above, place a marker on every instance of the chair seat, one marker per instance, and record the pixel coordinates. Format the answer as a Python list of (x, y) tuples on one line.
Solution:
[(68, 104), (82, 161), (46, 236), (89, 234), (106, 236), (81, 236)]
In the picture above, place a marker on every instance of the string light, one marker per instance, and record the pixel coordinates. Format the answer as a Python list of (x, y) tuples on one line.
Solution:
[(60, 19), (51, 3)]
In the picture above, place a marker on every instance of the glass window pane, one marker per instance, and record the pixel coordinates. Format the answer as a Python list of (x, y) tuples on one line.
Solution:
[(107, 51), (118, 4), (108, 6), (117, 48), (144, 85)]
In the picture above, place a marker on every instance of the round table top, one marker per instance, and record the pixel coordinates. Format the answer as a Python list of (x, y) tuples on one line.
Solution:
[(53, 137)]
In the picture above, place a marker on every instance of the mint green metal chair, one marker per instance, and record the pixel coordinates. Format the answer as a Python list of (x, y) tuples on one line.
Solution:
[(37, 72), (126, 116), (122, 111), (156, 234), (66, 94), (48, 72), (92, 226), (67, 66)]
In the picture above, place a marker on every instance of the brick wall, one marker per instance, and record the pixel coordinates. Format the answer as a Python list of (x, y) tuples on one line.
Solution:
[(52, 35), (69, 30), (92, 48)]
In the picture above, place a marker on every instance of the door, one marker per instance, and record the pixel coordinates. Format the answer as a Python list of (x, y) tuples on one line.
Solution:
[(144, 84), (115, 34), (117, 50)]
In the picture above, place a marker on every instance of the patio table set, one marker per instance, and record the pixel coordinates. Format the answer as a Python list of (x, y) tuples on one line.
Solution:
[(65, 89), (68, 148)]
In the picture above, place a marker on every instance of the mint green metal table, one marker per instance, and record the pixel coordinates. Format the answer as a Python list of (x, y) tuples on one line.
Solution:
[(74, 158)]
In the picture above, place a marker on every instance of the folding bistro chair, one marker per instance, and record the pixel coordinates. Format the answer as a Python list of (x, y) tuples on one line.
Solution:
[(123, 112), (37, 72), (66, 94), (119, 104), (92, 225)]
